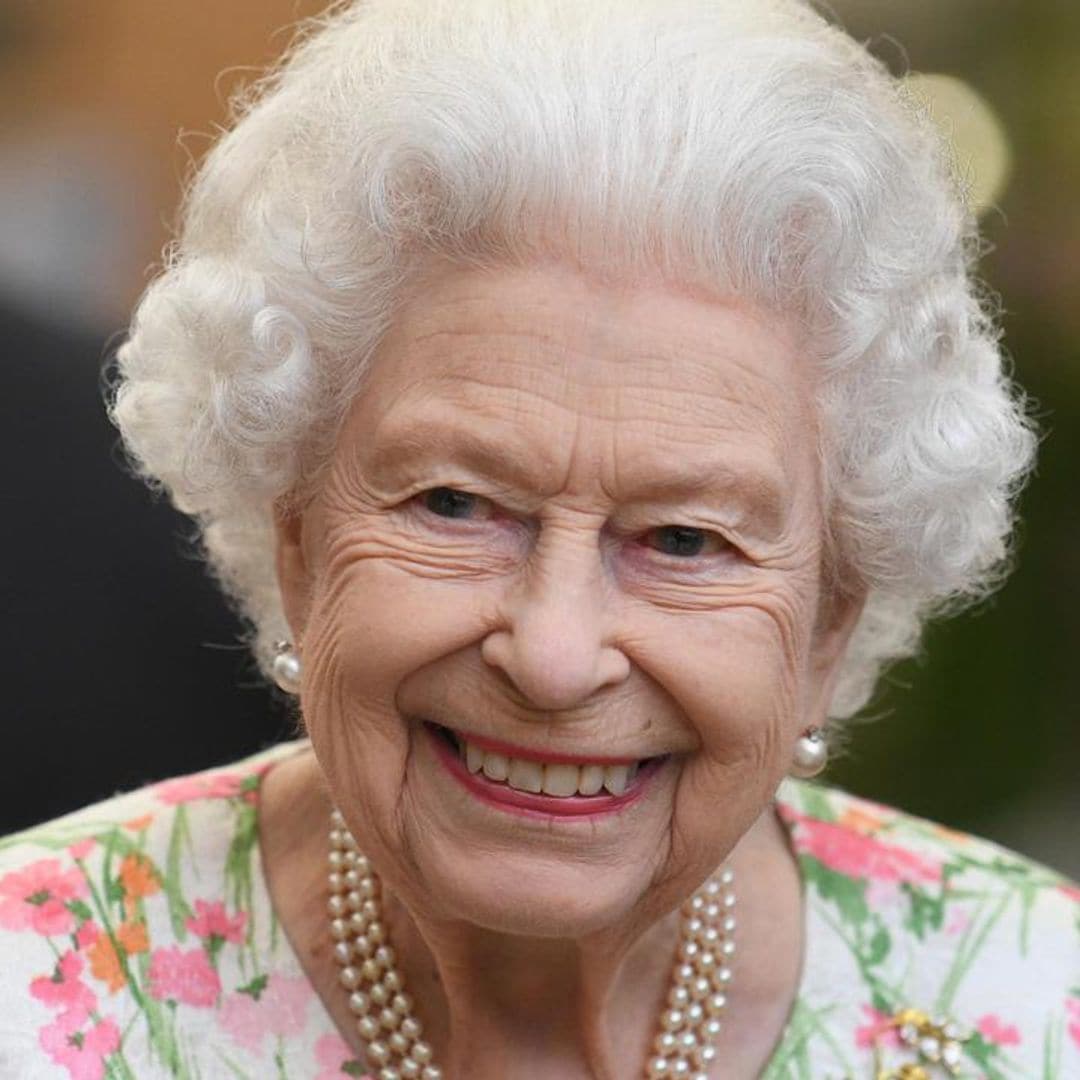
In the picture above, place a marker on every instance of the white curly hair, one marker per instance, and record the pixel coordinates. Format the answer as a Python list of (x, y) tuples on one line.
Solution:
[(741, 145)]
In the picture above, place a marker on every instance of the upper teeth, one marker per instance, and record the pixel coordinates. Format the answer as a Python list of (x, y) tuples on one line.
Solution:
[(549, 778)]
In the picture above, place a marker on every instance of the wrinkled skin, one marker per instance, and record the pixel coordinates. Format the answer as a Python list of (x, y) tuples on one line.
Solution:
[(555, 608)]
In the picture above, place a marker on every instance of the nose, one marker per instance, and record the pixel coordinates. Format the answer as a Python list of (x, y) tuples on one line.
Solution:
[(555, 644)]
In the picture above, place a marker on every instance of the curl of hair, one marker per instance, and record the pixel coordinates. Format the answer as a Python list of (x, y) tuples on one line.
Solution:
[(745, 147)]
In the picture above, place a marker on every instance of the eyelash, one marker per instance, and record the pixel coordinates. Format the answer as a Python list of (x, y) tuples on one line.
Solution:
[(706, 534)]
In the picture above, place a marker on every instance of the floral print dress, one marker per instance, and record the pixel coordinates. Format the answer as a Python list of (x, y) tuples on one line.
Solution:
[(138, 941)]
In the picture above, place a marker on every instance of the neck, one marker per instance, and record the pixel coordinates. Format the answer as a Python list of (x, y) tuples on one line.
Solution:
[(535, 1007), (496, 1005)]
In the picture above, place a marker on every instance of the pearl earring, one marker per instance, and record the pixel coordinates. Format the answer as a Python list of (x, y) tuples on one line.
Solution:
[(811, 754), (286, 667)]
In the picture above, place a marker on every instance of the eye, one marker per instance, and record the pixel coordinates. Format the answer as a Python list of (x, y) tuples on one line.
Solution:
[(685, 542), (451, 503)]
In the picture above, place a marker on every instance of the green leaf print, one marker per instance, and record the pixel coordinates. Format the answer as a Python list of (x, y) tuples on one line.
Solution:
[(80, 910), (984, 1054), (254, 988), (970, 944), (1052, 1051), (925, 913), (879, 946), (881, 1001), (179, 909), (792, 1057), (847, 893), (239, 877), (159, 1028), (816, 803), (238, 862)]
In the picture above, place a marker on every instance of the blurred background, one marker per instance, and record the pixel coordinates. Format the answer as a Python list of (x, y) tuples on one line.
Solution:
[(119, 661)]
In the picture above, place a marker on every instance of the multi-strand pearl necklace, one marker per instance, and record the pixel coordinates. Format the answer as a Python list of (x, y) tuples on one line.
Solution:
[(689, 1020)]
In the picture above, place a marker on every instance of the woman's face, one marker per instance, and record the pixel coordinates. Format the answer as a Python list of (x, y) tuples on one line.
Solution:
[(585, 522)]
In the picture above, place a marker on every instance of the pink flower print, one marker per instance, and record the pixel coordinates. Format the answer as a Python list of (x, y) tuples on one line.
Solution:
[(35, 897), (1071, 891), (87, 934), (211, 785), (183, 976), (332, 1053), (856, 855), (279, 1009), (1072, 1014), (81, 848), (184, 789), (879, 1031), (993, 1030), (81, 1052), (64, 987), (210, 921)]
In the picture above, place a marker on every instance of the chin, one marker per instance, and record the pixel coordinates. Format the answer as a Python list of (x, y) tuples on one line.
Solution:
[(523, 894)]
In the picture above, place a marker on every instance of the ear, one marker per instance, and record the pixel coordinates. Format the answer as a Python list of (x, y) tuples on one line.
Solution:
[(838, 617), (292, 563)]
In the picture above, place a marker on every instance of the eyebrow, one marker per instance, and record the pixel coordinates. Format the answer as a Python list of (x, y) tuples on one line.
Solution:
[(757, 492), (449, 442)]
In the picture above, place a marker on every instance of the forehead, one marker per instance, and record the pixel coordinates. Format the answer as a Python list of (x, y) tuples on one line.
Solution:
[(630, 378)]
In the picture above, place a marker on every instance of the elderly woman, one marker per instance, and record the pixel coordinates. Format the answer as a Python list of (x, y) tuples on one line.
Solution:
[(583, 401)]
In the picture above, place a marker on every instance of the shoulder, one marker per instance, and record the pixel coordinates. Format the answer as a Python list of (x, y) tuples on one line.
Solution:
[(912, 925), (128, 826), (118, 921), (869, 840)]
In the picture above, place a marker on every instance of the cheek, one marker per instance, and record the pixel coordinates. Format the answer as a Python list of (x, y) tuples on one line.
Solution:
[(736, 672), (390, 596), (371, 626), (375, 621), (735, 677)]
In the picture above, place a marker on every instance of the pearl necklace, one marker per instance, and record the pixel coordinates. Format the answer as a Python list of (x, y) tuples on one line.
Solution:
[(689, 1021)]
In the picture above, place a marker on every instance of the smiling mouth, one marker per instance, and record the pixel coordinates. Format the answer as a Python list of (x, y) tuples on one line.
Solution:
[(559, 778)]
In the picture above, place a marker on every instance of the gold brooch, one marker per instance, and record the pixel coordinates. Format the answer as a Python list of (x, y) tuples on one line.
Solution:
[(936, 1041)]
